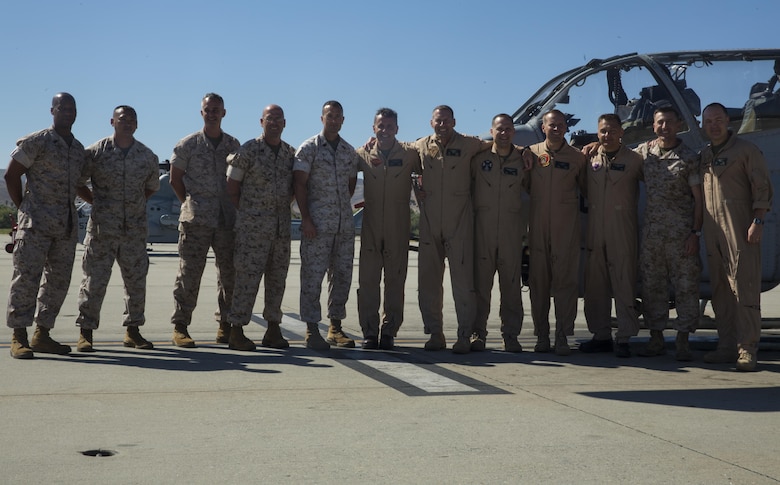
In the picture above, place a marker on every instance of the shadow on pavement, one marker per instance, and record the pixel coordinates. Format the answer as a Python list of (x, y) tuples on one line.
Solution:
[(746, 399)]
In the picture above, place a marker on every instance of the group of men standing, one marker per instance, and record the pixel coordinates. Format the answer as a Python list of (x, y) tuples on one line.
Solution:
[(236, 200)]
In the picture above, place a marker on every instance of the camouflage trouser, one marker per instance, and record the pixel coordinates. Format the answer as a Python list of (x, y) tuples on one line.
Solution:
[(331, 253), (194, 243), (37, 254), (662, 262), (255, 258), (100, 250)]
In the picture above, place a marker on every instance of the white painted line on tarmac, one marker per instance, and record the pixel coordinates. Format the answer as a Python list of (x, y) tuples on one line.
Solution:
[(418, 377), (401, 371)]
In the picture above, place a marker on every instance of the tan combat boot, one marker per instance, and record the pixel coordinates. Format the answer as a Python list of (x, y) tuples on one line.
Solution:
[(562, 346), (85, 341), (181, 337), (20, 347), (239, 341), (655, 346), (336, 335), (223, 333), (273, 337), (512, 345), (683, 353), (746, 361), (542, 344), (42, 342), (462, 345), (314, 340), (133, 339), (436, 342)]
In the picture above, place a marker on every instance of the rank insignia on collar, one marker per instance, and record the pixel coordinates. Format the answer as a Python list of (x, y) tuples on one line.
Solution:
[(544, 159), (487, 166)]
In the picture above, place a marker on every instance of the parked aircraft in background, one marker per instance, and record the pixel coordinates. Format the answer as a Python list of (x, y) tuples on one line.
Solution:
[(634, 85)]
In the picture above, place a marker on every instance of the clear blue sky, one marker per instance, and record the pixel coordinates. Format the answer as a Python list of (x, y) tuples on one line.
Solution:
[(482, 58)]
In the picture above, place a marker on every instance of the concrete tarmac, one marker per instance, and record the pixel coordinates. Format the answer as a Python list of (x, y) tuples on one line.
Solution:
[(209, 414)]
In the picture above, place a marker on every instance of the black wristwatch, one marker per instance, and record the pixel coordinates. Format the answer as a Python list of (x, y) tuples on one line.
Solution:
[(758, 221), (696, 233)]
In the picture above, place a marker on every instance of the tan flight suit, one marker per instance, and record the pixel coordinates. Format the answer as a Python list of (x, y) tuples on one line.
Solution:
[(554, 184), (447, 230), (498, 237), (612, 251), (384, 237), (735, 182)]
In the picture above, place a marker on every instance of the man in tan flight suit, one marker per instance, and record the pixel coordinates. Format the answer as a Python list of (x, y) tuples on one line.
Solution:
[(737, 195), (554, 184), (497, 175), (612, 251), (384, 238), (446, 229)]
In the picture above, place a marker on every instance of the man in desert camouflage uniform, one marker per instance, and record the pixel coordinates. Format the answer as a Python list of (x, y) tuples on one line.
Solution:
[(497, 175), (124, 173), (51, 160), (384, 238), (325, 175), (198, 168), (670, 234), (260, 185)]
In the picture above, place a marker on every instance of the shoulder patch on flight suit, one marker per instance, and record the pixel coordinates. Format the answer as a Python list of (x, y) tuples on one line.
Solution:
[(618, 167), (396, 162), (510, 171), (487, 165), (563, 165), (720, 162), (452, 152)]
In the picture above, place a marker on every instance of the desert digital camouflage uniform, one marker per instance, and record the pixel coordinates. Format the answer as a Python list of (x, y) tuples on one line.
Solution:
[(47, 228), (554, 184), (206, 220), (447, 230), (262, 227), (735, 181), (669, 176), (384, 236), (611, 261), (117, 227), (498, 237), (333, 249)]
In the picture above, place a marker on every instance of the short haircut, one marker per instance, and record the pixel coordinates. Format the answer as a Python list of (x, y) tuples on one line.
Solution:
[(611, 118), (716, 105), (444, 107), (668, 109), (60, 97), (216, 97), (554, 112), (502, 115), (386, 113), (333, 104), (127, 108)]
